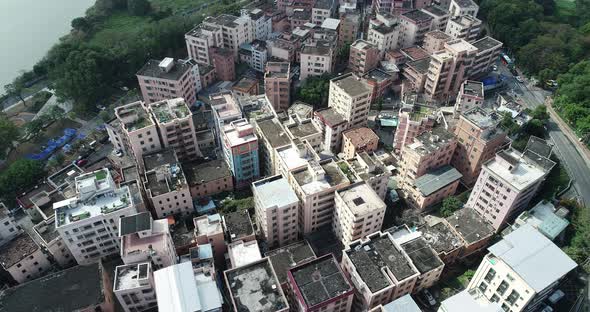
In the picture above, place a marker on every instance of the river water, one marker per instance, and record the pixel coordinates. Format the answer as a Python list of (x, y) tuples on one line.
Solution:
[(28, 28)]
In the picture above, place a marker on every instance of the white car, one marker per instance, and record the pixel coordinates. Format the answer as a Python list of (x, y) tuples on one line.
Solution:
[(494, 67), (519, 79), (429, 297), (118, 153)]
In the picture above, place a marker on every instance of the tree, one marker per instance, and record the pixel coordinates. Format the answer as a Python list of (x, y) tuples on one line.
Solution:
[(548, 6), (138, 7), (34, 127), (16, 88), (56, 113), (578, 244), (8, 133), (80, 24), (20, 175), (450, 205)]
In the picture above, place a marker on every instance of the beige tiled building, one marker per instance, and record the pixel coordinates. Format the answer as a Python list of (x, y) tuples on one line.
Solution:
[(134, 286), (488, 51), (200, 40), (350, 96), (364, 56), (235, 30), (317, 58), (23, 259), (412, 122), (464, 27), (277, 84), (471, 95), (413, 25), (435, 41), (53, 243), (209, 230), (358, 212), (168, 78), (208, 178), (369, 168), (332, 124), (358, 140)]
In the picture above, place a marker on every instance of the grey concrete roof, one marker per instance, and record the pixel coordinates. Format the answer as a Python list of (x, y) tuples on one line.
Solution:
[(423, 257), (470, 225), (352, 85), (197, 173), (486, 43), (273, 132), (290, 256), (402, 304), (435, 180), (135, 223)]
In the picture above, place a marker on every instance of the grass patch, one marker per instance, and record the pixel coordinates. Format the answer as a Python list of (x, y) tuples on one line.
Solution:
[(565, 8), (118, 27)]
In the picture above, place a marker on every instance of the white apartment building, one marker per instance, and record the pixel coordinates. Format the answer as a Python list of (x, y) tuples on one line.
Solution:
[(255, 54), (295, 156), (235, 30), (276, 206), (440, 16), (413, 25), (379, 269), (88, 222), (165, 185), (350, 96), (260, 23), (144, 239), (369, 168), (317, 58), (200, 40), (464, 27), (521, 270), (140, 131), (315, 186), (384, 37), (8, 227), (134, 287), (506, 185), (332, 125), (463, 7), (358, 212), (241, 253)]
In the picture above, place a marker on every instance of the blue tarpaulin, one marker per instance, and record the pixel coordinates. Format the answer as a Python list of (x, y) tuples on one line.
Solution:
[(54, 144)]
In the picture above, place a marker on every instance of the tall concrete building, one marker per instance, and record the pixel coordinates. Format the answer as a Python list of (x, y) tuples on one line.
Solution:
[(235, 30), (364, 56), (200, 40), (224, 63), (168, 79), (8, 227), (413, 25), (350, 96), (448, 69), (317, 58), (276, 206), (440, 16), (134, 286), (464, 27), (488, 51), (435, 41), (507, 184), (240, 151), (261, 24), (463, 7), (478, 140), (24, 259), (413, 121), (277, 84), (88, 222), (471, 95), (384, 32), (359, 211)]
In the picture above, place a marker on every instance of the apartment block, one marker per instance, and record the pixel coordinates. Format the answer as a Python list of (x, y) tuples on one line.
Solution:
[(332, 125), (300, 17), (413, 121), (245, 87), (405, 303), (144, 239), (23, 259), (369, 168), (276, 206), (295, 156), (165, 185), (506, 185), (140, 133), (238, 226), (435, 40), (320, 285), (350, 96), (303, 130), (208, 178), (448, 69), (471, 95), (277, 84), (134, 286), (382, 81), (240, 150), (208, 75), (358, 212), (317, 58), (224, 63), (488, 51), (287, 257), (240, 253), (464, 27), (209, 230), (53, 243), (322, 9), (463, 7), (88, 221), (315, 186), (385, 36), (545, 218), (272, 136), (225, 109), (413, 25), (235, 30), (168, 78), (441, 237), (255, 281), (364, 56), (349, 29), (416, 73), (440, 16), (479, 138), (379, 269), (358, 140), (255, 54), (200, 40), (475, 231), (521, 270), (261, 24), (8, 227)]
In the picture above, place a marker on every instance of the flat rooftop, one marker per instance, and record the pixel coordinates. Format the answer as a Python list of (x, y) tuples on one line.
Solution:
[(423, 257), (522, 175), (361, 44), (470, 225), (466, 3), (361, 199), (436, 10), (487, 43), (415, 53), (133, 116), (225, 106), (330, 116), (238, 224), (208, 225), (473, 88), (441, 237), (417, 16), (288, 257), (165, 179), (319, 177), (301, 109), (320, 280), (297, 155), (435, 180), (360, 136), (255, 288), (73, 289), (204, 172), (431, 141), (136, 223), (379, 253), (152, 69), (239, 132), (274, 192), (351, 85), (301, 130), (46, 230), (420, 66), (273, 132), (132, 276), (438, 34), (482, 118), (169, 110), (243, 253), (17, 249), (277, 70)]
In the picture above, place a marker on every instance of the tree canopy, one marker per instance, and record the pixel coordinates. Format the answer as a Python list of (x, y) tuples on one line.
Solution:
[(8, 133), (449, 205), (19, 176), (314, 90)]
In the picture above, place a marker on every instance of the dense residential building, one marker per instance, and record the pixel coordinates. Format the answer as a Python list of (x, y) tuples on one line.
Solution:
[(208, 178), (165, 185), (224, 63), (272, 136), (358, 212), (416, 73), (380, 270), (413, 121), (320, 285), (435, 41), (317, 58), (349, 29), (364, 56), (51, 241), (381, 81), (448, 69), (350, 96), (332, 125), (303, 130), (88, 221), (478, 139), (245, 87), (24, 259), (475, 231), (315, 186), (240, 151), (358, 140), (384, 35), (200, 40), (471, 95), (488, 51), (413, 25), (255, 54), (168, 79), (134, 286), (238, 226), (370, 168), (464, 27), (277, 84), (526, 267), (404, 303), (287, 257), (235, 31), (506, 185), (144, 239), (463, 7), (137, 127), (440, 16), (322, 9), (295, 156), (300, 17), (240, 253), (8, 227), (261, 24), (257, 281), (209, 230), (276, 206), (225, 109), (545, 218)]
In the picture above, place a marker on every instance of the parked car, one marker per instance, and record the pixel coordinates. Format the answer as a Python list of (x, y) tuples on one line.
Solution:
[(556, 296), (429, 297), (519, 79), (118, 153), (81, 162), (494, 67)]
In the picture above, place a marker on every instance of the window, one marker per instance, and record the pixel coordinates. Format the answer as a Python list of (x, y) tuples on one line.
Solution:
[(502, 288), (490, 275)]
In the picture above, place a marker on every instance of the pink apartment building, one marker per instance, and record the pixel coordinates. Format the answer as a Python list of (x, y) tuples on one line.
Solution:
[(412, 123), (208, 178), (435, 40), (364, 56), (470, 96), (209, 230), (277, 84), (358, 140), (168, 79), (223, 61)]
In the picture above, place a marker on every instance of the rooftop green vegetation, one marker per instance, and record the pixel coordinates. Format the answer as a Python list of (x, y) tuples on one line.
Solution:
[(100, 175), (420, 112)]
